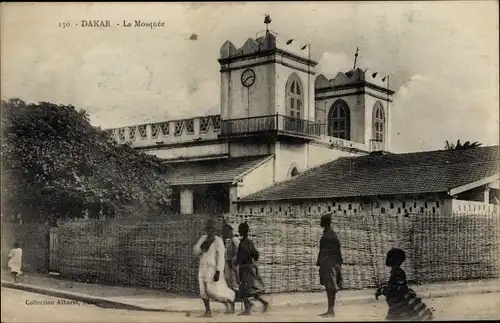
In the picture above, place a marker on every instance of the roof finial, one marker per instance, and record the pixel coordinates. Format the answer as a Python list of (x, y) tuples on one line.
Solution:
[(355, 58), (267, 21)]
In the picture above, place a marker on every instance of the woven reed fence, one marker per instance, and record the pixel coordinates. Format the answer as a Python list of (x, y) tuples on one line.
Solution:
[(158, 253), (438, 247), (34, 242), (460, 247), (152, 253), (289, 247)]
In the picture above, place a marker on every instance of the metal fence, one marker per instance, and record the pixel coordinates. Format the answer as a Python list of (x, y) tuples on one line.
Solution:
[(270, 123)]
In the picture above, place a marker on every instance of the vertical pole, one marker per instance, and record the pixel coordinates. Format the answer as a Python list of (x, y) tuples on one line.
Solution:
[(308, 81), (47, 249), (248, 111), (355, 58), (248, 102), (388, 134)]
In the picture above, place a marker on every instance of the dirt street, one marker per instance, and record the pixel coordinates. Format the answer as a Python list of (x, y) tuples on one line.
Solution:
[(19, 306)]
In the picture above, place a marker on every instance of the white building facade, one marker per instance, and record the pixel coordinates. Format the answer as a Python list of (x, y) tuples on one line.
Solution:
[(278, 118)]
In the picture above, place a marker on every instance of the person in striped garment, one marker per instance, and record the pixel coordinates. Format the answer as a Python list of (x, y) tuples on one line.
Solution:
[(404, 304)]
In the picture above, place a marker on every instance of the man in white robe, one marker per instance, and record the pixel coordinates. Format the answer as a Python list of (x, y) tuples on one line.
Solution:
[(210, 248)]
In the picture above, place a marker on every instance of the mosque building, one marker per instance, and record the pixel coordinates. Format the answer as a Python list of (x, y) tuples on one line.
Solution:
[(288, 136)]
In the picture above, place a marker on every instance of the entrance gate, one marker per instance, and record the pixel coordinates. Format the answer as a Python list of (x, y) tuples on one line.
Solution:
[(53, 248)]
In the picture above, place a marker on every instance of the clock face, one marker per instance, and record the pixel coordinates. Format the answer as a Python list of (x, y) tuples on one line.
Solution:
[(248, 77)]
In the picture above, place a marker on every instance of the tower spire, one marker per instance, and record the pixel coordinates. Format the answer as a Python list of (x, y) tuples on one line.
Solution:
[(355, 58), (267, 21)]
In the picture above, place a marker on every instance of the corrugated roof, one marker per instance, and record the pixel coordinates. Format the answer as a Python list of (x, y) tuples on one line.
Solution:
[(409, 173), (211, 171)]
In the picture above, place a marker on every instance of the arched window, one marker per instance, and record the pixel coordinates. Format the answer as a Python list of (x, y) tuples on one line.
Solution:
[(294, 97), (339, 120), (293, 171), (378, 123)]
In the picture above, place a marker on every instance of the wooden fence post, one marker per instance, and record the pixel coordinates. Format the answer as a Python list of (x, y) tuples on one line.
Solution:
[(47, 248)]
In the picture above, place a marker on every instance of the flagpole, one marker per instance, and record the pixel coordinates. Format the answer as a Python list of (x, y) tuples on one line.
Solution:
[(308, 80), (355, 58), (388, 120), (308, 94)]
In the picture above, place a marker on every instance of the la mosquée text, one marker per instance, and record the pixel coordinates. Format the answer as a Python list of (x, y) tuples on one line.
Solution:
[(125, 23)]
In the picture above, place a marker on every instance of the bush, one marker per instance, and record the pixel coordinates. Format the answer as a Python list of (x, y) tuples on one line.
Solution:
[(56, 165)]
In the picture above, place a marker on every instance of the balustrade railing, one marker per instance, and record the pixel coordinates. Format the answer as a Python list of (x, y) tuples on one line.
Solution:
[(243, 126), (376, 145), (301, 126), (250, 125)]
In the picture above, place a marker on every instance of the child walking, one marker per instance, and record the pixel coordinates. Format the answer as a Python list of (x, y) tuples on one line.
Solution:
[(404, 304), (15, 261)]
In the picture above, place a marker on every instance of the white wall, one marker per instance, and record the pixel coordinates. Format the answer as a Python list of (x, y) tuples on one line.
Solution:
[(304, 156), (471, 207), (240, 149), (238, 101), (356, 105), (186, 200), (361, 109), (370, 104), (289, 155), (282, 75), (267, 95), (319, 154), (258, 179), (355, 205), (171, 138), (190, 152)]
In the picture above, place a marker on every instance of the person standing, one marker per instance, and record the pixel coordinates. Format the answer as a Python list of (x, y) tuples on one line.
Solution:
[(329, 263), (210, 248), (251, 284), (15, 261), (231, 271)]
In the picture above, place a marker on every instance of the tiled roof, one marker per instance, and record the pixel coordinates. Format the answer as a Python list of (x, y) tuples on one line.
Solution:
[(211, 171), (409, 173)]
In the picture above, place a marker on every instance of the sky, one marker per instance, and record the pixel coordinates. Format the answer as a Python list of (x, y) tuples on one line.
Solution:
[(442, 58)]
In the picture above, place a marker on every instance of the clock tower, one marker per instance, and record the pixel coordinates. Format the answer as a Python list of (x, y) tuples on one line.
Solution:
[(268, 108), (266, 77)]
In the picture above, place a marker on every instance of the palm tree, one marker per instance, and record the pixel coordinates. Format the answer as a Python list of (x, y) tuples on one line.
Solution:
[(461, 146)]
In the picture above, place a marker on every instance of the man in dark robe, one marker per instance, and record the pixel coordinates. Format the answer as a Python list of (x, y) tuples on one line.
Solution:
[(329, 263), (251, 284)]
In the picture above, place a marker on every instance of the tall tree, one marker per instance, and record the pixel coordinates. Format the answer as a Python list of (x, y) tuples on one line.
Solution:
[(55, 164), (461, 146)]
